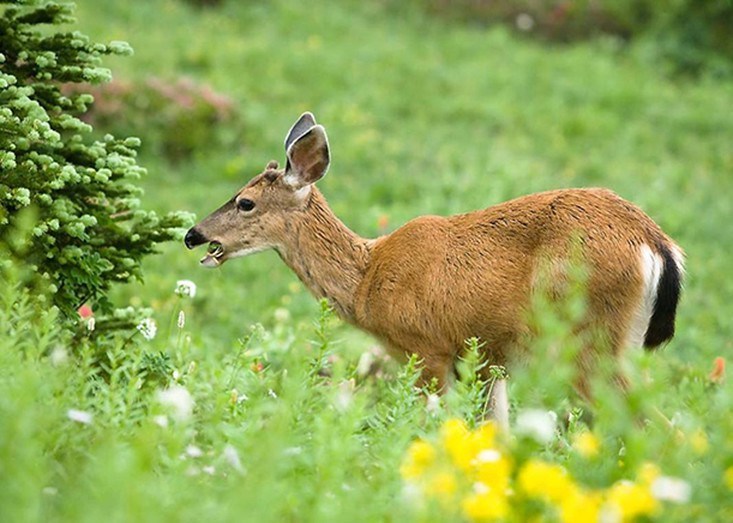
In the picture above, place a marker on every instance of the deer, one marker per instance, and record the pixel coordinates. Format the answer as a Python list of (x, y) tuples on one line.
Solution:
[(434, 282)]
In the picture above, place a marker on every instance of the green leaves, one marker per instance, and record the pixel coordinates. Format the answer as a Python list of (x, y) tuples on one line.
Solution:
[(90, 231)]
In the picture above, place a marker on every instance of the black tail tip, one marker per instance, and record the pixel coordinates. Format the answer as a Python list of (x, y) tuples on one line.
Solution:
[(661, 324)]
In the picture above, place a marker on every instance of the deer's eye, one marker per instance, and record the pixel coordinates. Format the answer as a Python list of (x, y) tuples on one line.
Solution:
[(245, 205)]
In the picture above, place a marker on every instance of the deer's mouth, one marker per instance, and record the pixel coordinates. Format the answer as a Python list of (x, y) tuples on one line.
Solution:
[(214, 255)]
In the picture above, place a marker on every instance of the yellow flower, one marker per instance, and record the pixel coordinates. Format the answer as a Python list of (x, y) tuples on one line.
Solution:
[(493, 469), (699, 442), (631, 500), (586, 444), (462, 445), (728, 477), (420, 456), (441, 485), (544, 480), (454, 436), (486, 504), (580, 506), (647, 473)]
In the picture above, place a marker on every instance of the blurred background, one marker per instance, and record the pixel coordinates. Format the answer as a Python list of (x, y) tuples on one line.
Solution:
[(432, 107)]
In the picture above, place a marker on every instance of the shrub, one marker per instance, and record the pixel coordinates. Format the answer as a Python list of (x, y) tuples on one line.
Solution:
[(176, 118), (90, 230), (690, 36)]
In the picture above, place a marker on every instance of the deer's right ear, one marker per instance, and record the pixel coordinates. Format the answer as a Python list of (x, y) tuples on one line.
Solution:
[(299, 128), (308, 158)]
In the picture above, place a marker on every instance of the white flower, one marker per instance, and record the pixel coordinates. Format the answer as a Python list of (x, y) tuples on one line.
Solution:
[(231, 456), (181, 319), (676, 490), (194, 451), (282, 315), (91, 323), (58, 356), (366, 360), (186, 288), (432, 404), (161, 421), (537, 424), (178, 400), (148, 328), (208, 469), (79, 416), (343, 398)]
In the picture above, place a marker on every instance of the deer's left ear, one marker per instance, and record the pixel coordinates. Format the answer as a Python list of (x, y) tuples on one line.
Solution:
[(308, 158)]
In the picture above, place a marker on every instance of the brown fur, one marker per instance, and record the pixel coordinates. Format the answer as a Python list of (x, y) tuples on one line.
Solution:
[(436, 281)]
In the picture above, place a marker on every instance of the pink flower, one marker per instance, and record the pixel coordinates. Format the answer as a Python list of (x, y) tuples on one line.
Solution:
[(85, 311)]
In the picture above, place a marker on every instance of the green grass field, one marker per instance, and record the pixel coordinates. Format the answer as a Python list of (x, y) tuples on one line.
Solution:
[(424, 116)]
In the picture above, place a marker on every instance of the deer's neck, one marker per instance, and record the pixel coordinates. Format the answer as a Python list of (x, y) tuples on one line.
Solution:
[(326, 255)]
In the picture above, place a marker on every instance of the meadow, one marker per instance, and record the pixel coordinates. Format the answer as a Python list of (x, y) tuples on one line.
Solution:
[(253, 402)]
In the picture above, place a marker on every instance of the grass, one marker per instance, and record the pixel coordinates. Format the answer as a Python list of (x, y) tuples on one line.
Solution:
[(424, 117)]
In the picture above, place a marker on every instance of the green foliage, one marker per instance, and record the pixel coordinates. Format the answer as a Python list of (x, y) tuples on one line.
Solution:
[(177, 119), (690, 35), (91, 231)]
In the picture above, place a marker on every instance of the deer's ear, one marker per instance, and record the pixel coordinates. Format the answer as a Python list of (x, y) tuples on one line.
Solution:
[(308, 158), (299, 128)]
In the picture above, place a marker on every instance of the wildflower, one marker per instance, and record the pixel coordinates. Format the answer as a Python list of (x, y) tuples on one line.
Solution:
[(432, 404), (441, 485), (148, 328), (282, 315), (231, 456), (344, 396), (79, 416), (648, 473), (178, 400), (194, 451), (676, 490), (91, 324), (420, 456), (580, 506), (455, 439), (544, 480), (181, 319), (586, 444), (59, 356), (718, 373), (161, 421), (493, 469), (208, 469), (485, 504), (85, 311), (728, 477), (364, 366), (699, 442), (537, 424), (630, 500), (185, 288)]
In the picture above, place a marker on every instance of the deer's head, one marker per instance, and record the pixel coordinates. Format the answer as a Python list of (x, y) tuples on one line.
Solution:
[(258, 215)]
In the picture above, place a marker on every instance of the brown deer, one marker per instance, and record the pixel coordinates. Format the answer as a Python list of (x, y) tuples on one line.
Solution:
[(436, 281)]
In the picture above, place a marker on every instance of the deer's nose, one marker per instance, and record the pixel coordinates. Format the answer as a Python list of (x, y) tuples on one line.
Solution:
[(194, 238)]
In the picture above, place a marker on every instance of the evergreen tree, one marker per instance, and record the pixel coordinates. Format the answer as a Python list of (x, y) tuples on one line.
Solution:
[(90, 230)]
